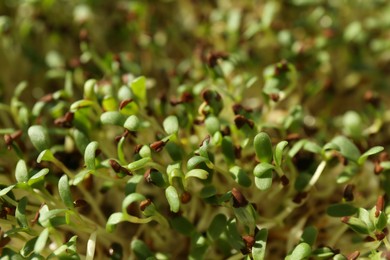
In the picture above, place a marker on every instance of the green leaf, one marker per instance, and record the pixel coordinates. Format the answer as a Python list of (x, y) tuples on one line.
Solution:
[(80, 177), (197, 173), (173, 198), (89, 89), (45, 155), (199, 246), (38, 176), (41, 241), (182, 225), (138, 86), (6, 190), (39, 137), (381, 221), (301, 251), (212, 124), (357, 225), (265, 182), (136, 165), (217, 226), (146, 152), (296, 148), (132, 183), (113, 118), (90, 155), (279, 152), (347, 148), (46, 215), (385, 165), (28, 247), (91, 245), (64, 190), (263, 175), (141, 250), (312, 147), (113, 220), (81, 140), (20, 212), (234, 238), (263, 147), (339, 257), (323, 253), (175, 151), (208, 191), (348, 173), (80, 104), (263, 168), (43, 212), (228, 148), (258, 249), (19, 89), (133, 197), (341, 210), (37, 109), (371, 151), (21, 172), (68, 84), (171, 125), (309, 235), (240, 176), (132, 123), (195, 160), (246, 216), (109, 103), (353, 126), (364, 216)]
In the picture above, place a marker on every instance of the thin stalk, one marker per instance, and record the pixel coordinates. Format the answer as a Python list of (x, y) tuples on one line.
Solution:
[(316, 175), (387, 243)]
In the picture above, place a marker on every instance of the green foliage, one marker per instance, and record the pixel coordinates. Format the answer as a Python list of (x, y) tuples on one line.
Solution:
[(225, 131)]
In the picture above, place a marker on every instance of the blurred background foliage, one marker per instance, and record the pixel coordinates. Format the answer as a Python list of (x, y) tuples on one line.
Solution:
[(341, 48)]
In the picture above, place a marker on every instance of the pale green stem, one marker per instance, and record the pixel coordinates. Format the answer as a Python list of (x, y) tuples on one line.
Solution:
[(85, 193), (94, 206), (337, 235), (156, 166), (316, 175), (387, 243)]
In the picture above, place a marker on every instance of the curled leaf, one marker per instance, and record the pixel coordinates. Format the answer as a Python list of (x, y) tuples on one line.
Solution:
[(279, 152), (90, 155), (197, 173)]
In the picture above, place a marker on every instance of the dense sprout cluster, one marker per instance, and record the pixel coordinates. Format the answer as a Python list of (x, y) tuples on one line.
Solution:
[(233, 130)]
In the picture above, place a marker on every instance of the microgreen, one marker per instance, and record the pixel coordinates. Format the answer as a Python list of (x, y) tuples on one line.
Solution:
[(242, 133)]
